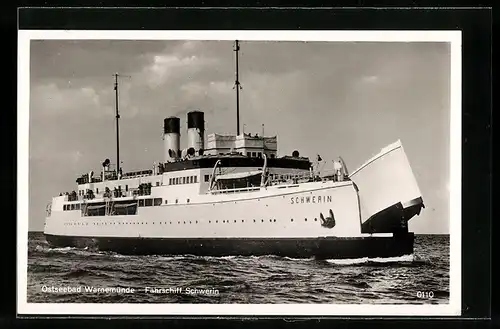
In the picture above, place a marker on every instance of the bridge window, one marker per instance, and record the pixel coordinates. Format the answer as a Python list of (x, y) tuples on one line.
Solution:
[(126, 188), (207, 178), (166, 201), (96, 190), (157, 202), (183, 180), (141, 202), (77, 206), (273, 155), (248, 154), (191, 180), (254, 154), (157, 183), (259, 154), (195, 179), (148, 202)]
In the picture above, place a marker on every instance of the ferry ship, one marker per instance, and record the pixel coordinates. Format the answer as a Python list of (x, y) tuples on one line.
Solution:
[(234, 195)]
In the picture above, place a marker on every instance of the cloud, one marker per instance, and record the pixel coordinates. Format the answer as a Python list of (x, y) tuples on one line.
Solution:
[(49, 99), (370, 79)]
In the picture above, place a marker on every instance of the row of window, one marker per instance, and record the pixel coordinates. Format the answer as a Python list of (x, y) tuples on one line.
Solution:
[(73, 206), (142, 203), (178, 222), (150, 202), (183, 180), (254, 154)]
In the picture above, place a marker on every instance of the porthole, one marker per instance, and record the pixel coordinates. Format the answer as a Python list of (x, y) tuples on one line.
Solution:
[(223, 221), (274, 220), (189, 222), (235, 220), (196, 222), (305, 219), (178, 222), (209, 222), (315, 219), (242, 221), (184, 222), (254, 220), (262, 220), (291, 220), (216, 221)]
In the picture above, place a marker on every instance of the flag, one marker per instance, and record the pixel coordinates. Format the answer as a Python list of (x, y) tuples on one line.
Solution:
[(319, 158)]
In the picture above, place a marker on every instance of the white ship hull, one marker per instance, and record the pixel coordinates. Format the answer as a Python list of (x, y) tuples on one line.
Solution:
[(369, 219)]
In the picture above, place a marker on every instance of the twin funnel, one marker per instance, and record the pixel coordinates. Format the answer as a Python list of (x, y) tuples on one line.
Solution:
[(172, 134)]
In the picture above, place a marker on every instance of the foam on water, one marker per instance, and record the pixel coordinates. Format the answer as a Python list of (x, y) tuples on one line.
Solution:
[(354, 261)]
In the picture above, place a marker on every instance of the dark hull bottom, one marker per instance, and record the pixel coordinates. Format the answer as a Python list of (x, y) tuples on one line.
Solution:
[(322, 248)]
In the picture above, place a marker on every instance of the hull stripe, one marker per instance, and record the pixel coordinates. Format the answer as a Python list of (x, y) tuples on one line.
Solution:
[(323, 248)]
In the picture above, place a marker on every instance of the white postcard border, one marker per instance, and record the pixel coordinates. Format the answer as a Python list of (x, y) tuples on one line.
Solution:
[(454, 306)]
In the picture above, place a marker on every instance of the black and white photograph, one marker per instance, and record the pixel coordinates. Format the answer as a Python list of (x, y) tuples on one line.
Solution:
[(270, 172)]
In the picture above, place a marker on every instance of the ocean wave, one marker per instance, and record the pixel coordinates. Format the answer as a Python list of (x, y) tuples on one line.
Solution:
[(366, 260), (82, 272)]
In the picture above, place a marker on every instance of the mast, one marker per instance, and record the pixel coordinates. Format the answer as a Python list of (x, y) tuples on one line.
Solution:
[(237, 86), (117, 128), (116, 75)]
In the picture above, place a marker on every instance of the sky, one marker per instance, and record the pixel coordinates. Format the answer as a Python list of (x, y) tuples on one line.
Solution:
[(346, 99)]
